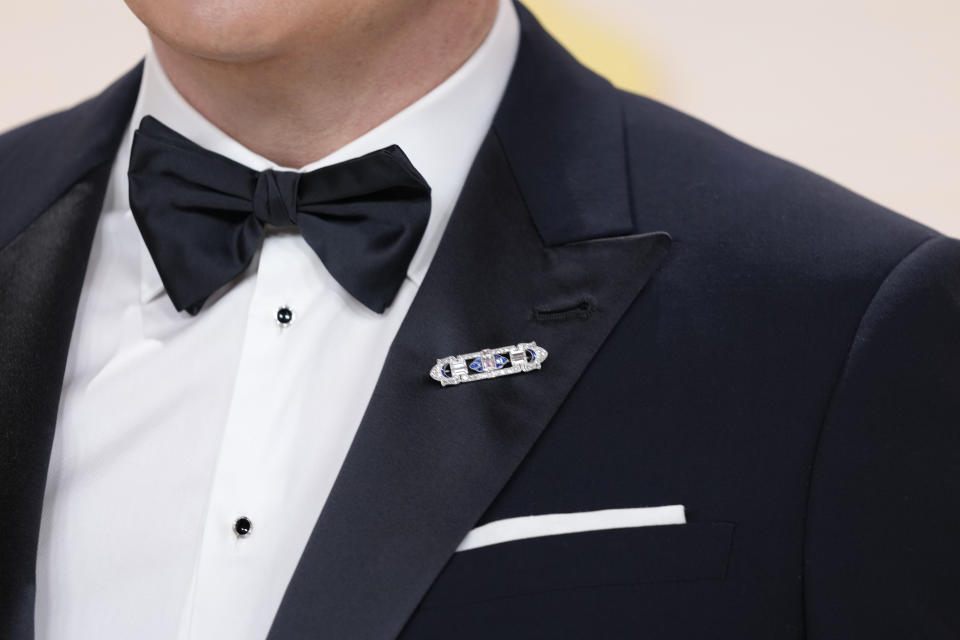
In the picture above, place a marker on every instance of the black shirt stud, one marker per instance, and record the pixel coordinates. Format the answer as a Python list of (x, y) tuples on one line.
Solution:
[(242, 527), (284, 316)]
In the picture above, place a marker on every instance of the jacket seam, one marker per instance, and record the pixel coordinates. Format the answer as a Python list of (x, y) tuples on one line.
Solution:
[(831, 402)]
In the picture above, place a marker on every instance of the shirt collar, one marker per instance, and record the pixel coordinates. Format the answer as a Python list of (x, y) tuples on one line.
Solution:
[(440, 133)]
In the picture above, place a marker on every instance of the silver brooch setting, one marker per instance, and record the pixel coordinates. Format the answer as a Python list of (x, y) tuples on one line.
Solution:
[(489, 363)]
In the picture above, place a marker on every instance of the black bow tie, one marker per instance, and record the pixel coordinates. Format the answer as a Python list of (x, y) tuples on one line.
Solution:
[(202, 215)]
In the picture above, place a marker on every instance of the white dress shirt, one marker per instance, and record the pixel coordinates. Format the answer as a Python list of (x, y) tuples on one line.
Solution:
[(171, 427)]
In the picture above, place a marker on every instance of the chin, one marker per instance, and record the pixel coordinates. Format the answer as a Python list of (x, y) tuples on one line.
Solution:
[(226, 30)]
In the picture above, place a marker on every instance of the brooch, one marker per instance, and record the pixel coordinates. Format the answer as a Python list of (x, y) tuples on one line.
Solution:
[(488, 363)]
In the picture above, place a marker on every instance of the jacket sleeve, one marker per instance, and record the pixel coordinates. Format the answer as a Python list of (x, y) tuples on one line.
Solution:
[(882, 546)]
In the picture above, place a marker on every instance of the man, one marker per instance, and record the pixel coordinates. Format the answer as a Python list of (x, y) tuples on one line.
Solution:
[(226, 278)]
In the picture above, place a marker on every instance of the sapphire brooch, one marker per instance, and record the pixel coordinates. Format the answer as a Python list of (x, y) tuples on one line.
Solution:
[(489, 363)]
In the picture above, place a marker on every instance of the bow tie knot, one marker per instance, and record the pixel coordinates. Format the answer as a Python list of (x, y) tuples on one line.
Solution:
[(275, 197), (202, 215)]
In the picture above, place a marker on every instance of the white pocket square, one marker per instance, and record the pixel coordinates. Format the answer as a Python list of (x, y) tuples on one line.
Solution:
[(552, 524)]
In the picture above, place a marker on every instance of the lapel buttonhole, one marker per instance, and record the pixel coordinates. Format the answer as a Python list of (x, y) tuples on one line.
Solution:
[(579, 310)]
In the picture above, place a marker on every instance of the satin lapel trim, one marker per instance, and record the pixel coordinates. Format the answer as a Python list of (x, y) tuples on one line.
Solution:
[(42, 160), (427, 461), (41, 275)]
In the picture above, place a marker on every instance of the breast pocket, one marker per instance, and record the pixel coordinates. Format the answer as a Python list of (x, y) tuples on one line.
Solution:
[(683, 552)]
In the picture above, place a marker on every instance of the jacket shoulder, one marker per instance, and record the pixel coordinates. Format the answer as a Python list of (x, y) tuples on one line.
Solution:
[(758, 220), (707, 186)]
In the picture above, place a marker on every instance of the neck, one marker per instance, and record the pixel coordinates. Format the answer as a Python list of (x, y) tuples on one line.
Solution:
[(301, 104)]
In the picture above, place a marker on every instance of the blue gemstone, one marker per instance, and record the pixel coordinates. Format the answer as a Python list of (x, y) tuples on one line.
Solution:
[(533, 354), (500, 361), (476, 365)]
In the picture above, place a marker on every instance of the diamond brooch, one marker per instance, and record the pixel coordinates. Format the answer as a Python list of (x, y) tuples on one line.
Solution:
[(488, 363)]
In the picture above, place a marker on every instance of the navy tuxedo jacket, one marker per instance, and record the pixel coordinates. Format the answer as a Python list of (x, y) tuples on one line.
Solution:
[(726, 331)]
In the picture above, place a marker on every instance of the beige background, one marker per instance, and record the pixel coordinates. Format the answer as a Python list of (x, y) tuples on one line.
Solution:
[(865, 92)]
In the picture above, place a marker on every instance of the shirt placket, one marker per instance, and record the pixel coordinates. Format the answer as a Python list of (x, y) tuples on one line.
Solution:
[(242, 528)]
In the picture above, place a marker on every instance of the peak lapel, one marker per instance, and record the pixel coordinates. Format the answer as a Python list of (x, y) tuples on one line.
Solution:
[(542, 226), (53, 175), (42, 160), (427, 461)]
